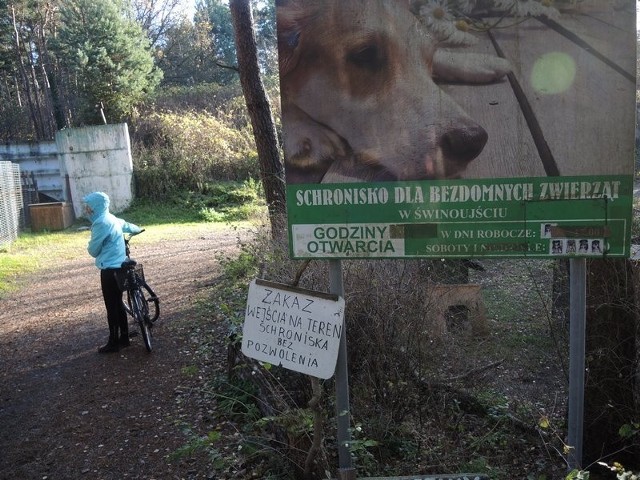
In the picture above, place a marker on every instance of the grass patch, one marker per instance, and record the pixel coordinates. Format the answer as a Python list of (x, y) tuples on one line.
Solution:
[(190, 371), (216, 202), (33, 251), (11, 266), (184, 215)]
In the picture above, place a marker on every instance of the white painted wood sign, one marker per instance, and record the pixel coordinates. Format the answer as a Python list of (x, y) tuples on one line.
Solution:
[(294, 328)]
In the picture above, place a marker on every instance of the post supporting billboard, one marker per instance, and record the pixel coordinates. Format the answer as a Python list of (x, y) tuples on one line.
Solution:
[(343, 414), (577, 335)]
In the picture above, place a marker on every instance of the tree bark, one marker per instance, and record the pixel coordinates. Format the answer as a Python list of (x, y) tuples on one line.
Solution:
[(24, 77), (264, 131)]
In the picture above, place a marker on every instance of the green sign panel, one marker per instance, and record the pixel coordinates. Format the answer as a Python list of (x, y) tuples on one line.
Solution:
[(525, 217), (458, 129)]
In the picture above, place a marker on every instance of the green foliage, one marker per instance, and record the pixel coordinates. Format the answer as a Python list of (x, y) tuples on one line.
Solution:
[(108, 55), (27, 106), (628, 430), (264, 13), (360, 449), (190, 370), (217, 202), (621, 472), (237, 400), (296, 422), (218, 19), (477, 464), (220, 202), (186, 55), (177, 152), (578, 475), (14, 122), (242, 266), (221, 32), (197, 443)]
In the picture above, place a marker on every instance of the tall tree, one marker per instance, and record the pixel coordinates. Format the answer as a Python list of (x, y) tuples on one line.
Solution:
[(156, 17), (264, 130), (186, 57), (192, 52), (107, 57), (25, 87), (222, 38), (265, 20)]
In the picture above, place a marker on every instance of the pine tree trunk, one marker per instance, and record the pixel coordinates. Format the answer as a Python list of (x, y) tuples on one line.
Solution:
[(264, 131)]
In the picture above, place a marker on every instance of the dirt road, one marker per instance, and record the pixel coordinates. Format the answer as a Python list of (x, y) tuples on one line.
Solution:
[(67, 412)]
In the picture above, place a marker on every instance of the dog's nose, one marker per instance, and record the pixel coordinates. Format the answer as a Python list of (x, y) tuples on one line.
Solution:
[(463, 143)]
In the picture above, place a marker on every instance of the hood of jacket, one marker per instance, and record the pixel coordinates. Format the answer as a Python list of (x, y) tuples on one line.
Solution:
[(98, 202)]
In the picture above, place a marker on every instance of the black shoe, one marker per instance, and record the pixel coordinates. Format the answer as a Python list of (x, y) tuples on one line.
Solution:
[(109, 348), (124, 342)]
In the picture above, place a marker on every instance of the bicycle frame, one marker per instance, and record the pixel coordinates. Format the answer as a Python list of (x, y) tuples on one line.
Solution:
[(137, 304)]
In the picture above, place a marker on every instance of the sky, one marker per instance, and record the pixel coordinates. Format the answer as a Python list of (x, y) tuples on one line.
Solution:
[(189, 7)]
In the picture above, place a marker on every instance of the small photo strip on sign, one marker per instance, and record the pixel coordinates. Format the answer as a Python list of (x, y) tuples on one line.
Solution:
[(559, 245)]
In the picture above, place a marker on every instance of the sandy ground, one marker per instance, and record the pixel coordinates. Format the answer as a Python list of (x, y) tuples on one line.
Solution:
[(67, 412)]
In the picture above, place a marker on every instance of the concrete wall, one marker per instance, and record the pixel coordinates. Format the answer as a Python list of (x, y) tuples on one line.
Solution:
[(97, 158)]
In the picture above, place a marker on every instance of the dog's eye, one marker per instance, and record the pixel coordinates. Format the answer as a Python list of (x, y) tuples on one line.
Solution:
[(369, 57)]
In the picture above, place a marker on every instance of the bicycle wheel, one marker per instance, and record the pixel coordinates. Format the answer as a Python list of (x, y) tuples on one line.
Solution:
[(141, 313), (152, 301), (126, 303)]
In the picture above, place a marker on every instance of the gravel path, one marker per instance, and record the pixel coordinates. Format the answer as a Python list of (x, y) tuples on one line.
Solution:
[(67, 412)]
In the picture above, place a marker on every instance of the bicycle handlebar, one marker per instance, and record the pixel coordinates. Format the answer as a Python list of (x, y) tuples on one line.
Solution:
[(130, 235)]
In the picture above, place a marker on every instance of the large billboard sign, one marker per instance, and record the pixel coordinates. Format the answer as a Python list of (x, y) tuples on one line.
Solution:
[(449, 128)]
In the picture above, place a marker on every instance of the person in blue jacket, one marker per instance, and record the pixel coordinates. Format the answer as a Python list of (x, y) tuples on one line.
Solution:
[(107, 247)]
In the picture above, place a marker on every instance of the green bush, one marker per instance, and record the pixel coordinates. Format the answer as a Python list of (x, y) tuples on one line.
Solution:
[(185, 151)]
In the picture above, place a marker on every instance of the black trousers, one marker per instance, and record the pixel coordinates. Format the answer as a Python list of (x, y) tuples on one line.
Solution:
[(116, 314)]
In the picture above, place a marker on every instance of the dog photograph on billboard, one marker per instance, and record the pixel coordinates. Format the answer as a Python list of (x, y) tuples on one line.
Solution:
[(458, 128)]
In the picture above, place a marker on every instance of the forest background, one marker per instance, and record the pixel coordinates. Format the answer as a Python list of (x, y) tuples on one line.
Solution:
[(172, 78)]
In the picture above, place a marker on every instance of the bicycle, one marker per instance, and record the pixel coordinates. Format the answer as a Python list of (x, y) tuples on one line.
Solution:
[(142, 304)]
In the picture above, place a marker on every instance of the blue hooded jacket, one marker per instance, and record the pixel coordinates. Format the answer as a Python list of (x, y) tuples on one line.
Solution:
[(107, 243)]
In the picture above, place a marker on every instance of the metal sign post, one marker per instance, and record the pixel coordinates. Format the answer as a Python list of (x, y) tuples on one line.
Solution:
[(346, 470), (577, 318)]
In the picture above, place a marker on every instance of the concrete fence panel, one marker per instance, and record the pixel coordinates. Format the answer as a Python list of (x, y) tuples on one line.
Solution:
[(97, 158)]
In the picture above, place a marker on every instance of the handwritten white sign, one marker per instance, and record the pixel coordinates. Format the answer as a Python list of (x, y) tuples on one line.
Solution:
[(297, 329)]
